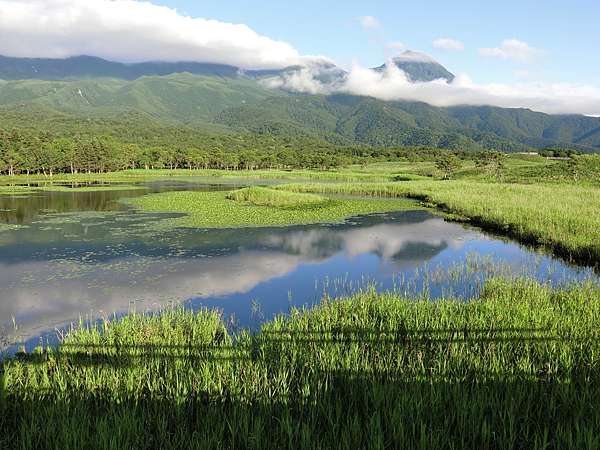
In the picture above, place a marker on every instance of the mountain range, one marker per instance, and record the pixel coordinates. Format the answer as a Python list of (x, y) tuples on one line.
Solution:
[(229, 99)]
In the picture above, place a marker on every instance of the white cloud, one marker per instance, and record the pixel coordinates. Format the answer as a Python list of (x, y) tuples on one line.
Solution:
[(303, 80), (369, 22), (396, 46), (393, 84), (131, 31), (514, 50), (448, 44)]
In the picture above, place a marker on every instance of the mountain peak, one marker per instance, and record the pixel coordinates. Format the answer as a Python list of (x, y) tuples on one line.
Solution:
[(411, 56), (419, 67)]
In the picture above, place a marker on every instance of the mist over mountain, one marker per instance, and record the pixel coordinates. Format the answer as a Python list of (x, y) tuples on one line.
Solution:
[(267, 101)]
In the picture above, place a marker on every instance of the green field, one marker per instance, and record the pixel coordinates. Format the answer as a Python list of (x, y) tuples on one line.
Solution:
[(371, 371)]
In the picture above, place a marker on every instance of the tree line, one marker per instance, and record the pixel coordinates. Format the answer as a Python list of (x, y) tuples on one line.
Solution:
[(23, 152)]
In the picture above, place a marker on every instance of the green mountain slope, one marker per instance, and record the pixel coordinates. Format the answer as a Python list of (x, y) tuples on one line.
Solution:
[(91, 67), (243, 103), (374, 122)]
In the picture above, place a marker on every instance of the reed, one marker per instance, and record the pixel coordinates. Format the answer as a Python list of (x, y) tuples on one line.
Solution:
[(261, 196), (516, 368)]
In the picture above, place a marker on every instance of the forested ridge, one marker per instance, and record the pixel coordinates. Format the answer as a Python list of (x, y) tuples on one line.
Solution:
[(47, 142)]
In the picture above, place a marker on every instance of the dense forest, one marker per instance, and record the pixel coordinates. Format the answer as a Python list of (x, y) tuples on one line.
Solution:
[(103, 145), (136, 141)]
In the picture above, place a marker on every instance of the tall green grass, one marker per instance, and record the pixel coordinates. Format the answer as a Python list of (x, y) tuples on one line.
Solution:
[(261, 196), (564, 218), (516, 368)]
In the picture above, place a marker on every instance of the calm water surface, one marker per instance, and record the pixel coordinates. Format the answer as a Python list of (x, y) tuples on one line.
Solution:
[(84, 254)]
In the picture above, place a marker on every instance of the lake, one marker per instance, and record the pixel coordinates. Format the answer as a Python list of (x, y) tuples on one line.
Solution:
[(84, 255)]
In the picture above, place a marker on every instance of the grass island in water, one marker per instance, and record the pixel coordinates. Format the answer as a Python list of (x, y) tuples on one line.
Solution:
[(253, 207)]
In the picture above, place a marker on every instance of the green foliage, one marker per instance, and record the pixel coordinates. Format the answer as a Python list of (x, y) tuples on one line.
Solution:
[(371, 371), (394, 124), (448, 165), (240, 104)]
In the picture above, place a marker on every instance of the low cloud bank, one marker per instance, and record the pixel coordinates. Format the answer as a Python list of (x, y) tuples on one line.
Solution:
[(132, 31), (393, 84)]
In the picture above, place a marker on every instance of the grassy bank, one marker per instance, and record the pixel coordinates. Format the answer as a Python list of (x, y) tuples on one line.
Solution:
[(564, 218), (23, 190), (514, 168), (371, 371), (344, 175), (258, 207)]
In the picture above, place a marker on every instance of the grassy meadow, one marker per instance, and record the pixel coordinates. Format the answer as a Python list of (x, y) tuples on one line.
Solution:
[(535, 200), (370, 371), (260, 196)]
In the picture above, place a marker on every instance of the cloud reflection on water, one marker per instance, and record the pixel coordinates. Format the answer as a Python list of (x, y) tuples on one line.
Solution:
[(45, 293)]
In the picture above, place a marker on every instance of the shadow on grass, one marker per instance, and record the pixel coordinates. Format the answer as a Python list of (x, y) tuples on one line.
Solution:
[(272, 390)]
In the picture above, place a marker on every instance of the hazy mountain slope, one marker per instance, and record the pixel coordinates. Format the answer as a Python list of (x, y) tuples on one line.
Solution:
[(92, 67), (177, 98)]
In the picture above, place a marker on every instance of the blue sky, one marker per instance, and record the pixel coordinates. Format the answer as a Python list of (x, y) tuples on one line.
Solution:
[(566, 31)]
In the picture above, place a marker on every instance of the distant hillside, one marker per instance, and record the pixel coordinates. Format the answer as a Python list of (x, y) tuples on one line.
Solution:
[(92, 67), (181, 98), (226, 98), (374, 122)]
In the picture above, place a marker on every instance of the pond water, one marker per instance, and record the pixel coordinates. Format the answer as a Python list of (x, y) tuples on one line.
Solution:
[(86, 255)]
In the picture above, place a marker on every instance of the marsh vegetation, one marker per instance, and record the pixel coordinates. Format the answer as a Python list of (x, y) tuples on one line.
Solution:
[(433, 336), (256, 207), (370, 370)]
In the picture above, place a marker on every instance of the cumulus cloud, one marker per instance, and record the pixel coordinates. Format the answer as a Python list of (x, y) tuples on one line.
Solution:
[(369, 22), (448, 44), (393, 84), (514, 50), (396, 46), (132, 31)]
